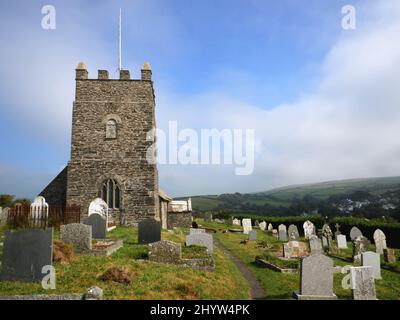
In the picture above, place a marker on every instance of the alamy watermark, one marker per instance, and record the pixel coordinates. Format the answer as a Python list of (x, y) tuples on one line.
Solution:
[(49, 20), (349, 20), (49, 280), (210, 147)]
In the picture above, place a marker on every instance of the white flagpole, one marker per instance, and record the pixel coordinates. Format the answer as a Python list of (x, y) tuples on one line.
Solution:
[(120, 41)]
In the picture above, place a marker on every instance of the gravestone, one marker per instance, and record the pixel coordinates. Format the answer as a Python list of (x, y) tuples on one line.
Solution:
[(197, 231), (149, 231), (380, 241), (263, 226), (246, 223), (25, 253), (77, 234), (315, 244), (252, 235), (354, 233), (293, 232), (337, 232), (295, 249), (275, 233), (99, 226), (236, 222), (309, 229), (270, 227), (282, 232), (362, 283), (98, 206), (389, 255), (4, 216), (208, 216), (372, 259), (341, 241), (256, 223), (316, 278), (202, 240), (165, 252), (325, 244), (327, 233), (360, 245)]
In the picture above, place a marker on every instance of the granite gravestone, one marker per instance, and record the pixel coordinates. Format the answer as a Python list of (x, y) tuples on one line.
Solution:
[(252, 235), (309, 229), (246, 223), (362, 283), (316, 278), (380, 241), (25, 253), (294, 249), (360, 245), (372, 259), (165, 252), (315, 244), (149, 231), (282, 232), (98, 224), (202, 240), (354, 233), (293, 232), (77, 234), (341, 241)]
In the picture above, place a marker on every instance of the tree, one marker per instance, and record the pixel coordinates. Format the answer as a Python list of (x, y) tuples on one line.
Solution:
[(6, 200)]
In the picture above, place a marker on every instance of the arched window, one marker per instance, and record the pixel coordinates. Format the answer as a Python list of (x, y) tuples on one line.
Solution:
[(111, 129), (111, 194)]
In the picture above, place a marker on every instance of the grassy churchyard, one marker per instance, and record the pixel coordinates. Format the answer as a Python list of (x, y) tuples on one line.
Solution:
[(148, 280)]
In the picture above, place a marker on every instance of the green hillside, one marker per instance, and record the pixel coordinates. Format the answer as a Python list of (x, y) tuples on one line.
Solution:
[(285, 196)]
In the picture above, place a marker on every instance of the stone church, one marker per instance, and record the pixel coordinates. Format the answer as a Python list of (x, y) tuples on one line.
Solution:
[(112, 122)]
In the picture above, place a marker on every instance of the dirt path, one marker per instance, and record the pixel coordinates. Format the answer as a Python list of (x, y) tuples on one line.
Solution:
[(256, 290)]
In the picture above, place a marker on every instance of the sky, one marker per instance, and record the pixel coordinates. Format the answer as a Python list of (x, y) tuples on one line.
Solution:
[(323, 101)]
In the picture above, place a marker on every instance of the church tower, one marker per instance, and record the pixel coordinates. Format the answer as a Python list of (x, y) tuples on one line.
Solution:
[(112, 127)]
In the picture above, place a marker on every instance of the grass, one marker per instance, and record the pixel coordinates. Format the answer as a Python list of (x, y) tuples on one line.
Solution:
[(280, 286), (150, 280)]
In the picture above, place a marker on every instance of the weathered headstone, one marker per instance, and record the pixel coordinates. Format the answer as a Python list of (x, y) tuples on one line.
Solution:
[(77, 234), (282, 232), (246, 223), (380, 241), (327, 234), (201, 239), (341, 241), (337, 232), (315, 244), (263, 226), (275, 233), (236, 222), (293, 232), (208, 216), (389, 255), (270, 227), (98, 206), (99, 226), (309, 229), (256, 223), (372, 259), (295, 249), (360, 245), (4, 216), (165, 252), (354, 233), (149, 231), (316, 278), (25, 253), (362, 283), (196, 231), (39, 209), (252, 235)]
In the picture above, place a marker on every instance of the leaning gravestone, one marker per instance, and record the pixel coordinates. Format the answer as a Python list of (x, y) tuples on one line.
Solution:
[(246, 223), (372, 259), (354, 233), (362, 283), (293, 232), (99, 226), (316, 278), (282, 232), (252, 235), (389, 255), (341, 241), (77, 234), (315, 244), (380, 241), (263, 226), (294, 249), (165, 252), (149, 231), (201, 239), (360, 245), (309, 229), (25, 253)]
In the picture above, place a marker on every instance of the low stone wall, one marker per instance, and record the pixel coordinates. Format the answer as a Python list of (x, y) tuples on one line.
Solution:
[(179, 220)]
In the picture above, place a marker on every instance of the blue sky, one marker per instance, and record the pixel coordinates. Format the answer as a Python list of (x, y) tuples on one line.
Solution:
[(316, 94)]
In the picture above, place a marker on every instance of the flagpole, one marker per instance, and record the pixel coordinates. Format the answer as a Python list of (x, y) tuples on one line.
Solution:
[(120, 41)]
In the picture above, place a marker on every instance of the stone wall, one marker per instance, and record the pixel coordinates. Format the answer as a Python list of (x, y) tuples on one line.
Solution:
[(94, 158), (179, 220)]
